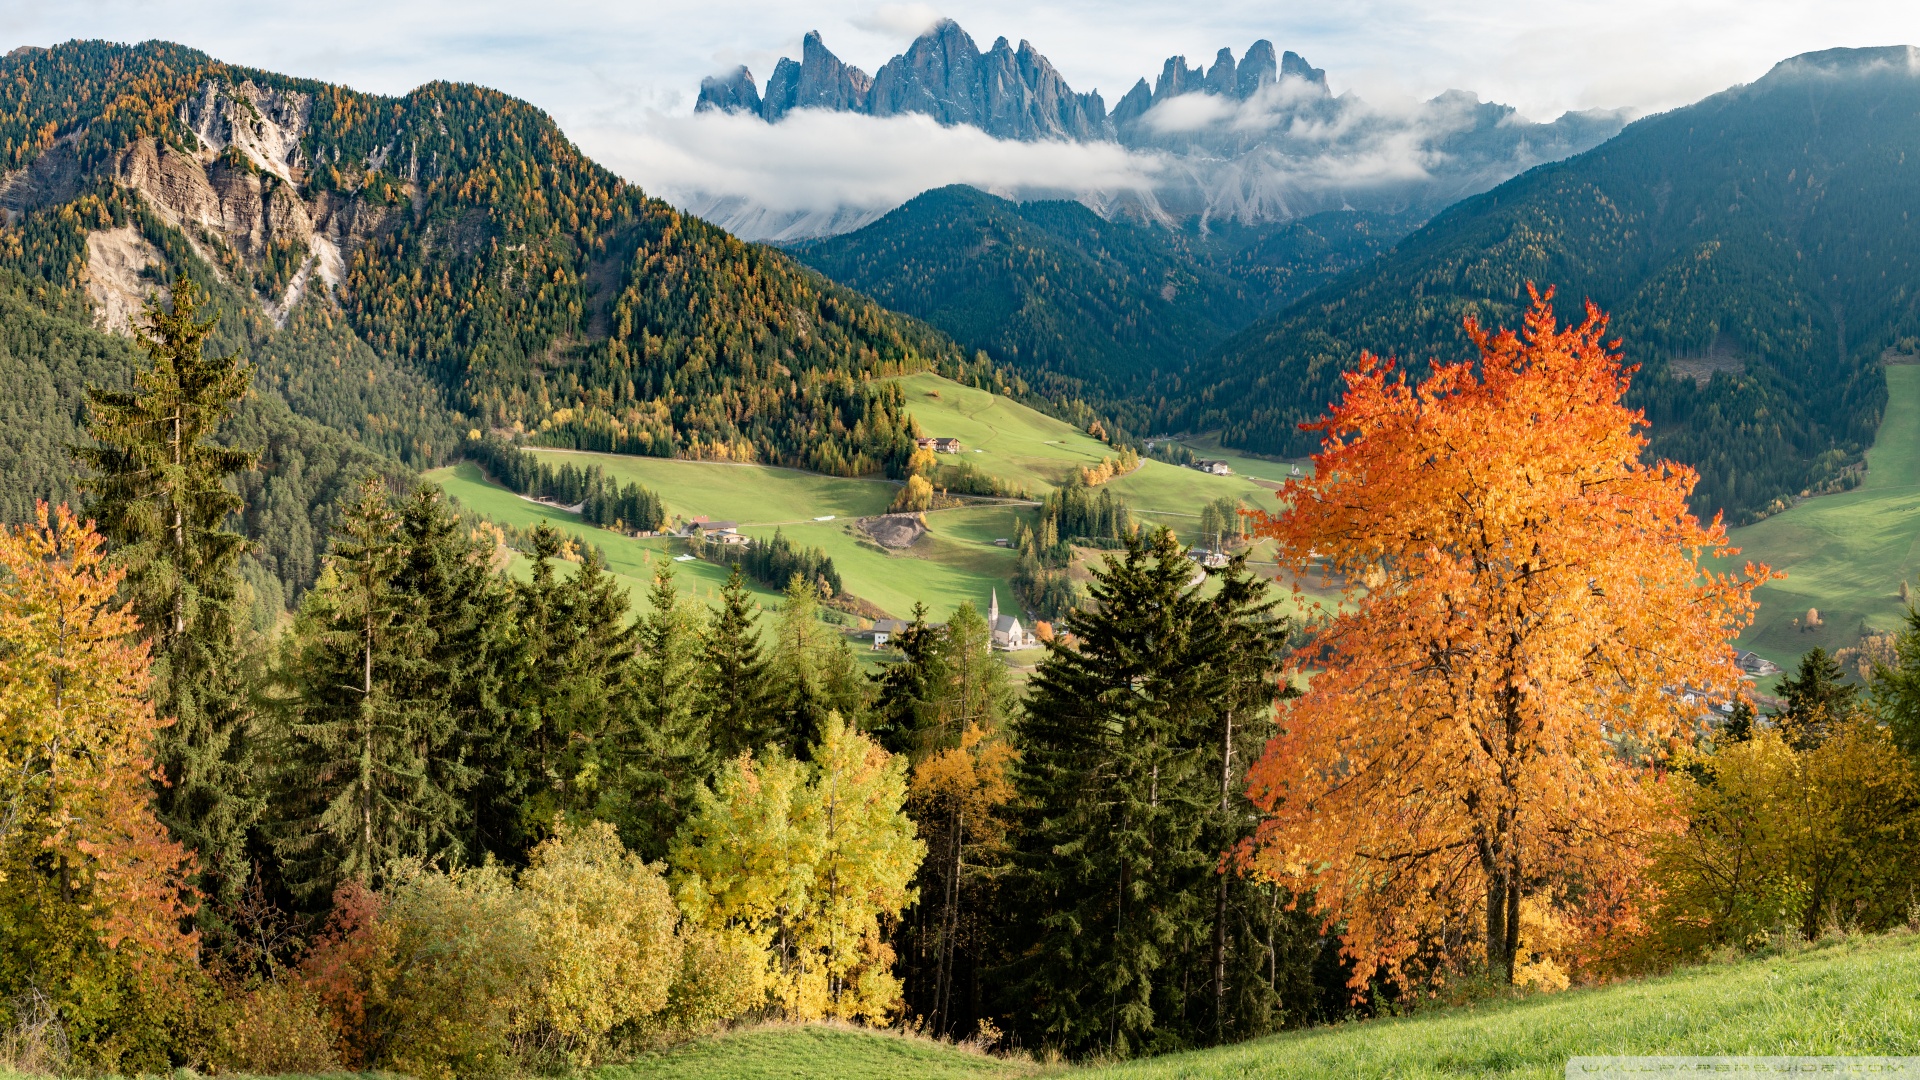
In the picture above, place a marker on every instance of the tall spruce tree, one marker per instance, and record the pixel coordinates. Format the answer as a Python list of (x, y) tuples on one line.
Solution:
[(1818, 698), (813, 671), (905, 688), (1257, 962), (1896, 688), (736, 698), (1111, 864), (574, 698), (467, 659), (371, 760), (671, 755), (160, 495), (955, 695)]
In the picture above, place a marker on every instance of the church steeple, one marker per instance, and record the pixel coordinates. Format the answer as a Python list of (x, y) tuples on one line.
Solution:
[(993, 610)]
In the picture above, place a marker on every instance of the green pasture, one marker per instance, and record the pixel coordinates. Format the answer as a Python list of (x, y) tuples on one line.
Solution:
[(631, 561), (1844, 554), (1853, 997), (957, 562), (1027, 447)]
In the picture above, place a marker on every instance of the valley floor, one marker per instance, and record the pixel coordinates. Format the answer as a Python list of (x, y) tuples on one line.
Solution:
[(1845, 555)]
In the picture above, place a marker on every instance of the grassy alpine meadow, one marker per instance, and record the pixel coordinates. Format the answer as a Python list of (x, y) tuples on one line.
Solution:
[(1849, 997), (1845, 554), (1026, 447), (956, 562), (632, 561)]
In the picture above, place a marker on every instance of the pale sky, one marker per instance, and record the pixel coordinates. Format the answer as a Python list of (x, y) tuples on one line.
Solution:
[(620, 77)]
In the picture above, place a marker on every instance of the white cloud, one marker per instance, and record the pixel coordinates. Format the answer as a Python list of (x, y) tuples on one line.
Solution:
[(815, 164), (903, 20)]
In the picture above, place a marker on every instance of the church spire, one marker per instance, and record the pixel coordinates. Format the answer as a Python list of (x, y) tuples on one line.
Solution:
[(993, 610)]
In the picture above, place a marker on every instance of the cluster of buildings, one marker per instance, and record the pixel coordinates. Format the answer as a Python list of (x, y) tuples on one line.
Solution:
[(1004, 632), (939, 445)]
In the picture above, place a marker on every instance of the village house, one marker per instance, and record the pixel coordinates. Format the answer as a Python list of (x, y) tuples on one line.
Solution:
[(1005, 631), (1212, 560), (1214, 466), (939, 445), (1756, 666), (720, 532)]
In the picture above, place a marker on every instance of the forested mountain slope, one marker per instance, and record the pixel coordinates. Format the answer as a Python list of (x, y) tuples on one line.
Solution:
[(49, 354), (1757, 251), (1082, 306), (459, 235)]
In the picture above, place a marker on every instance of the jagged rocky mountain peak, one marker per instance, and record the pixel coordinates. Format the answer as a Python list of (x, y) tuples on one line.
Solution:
[(734, 92), (1008, 91), (1255, 148)]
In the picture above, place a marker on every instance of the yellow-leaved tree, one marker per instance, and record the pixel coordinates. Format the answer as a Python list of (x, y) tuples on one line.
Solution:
[(1526, 628), (808, 860)]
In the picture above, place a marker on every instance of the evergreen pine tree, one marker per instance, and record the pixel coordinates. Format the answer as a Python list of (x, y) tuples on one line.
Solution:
[(906, 688), (1896, 689), (1818, 698), (813, 671), (1111, 866), (160, 497), (575, 700), (958, 706), (734, 691), (467, 658), (671, 757), (366, 780), (1252, 965)]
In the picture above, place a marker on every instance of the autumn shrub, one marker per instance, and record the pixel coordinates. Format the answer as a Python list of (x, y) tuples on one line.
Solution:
[(599, 923), (277, 1028), (1784, 840), (34, 1040), (915, 495), (462, 961)]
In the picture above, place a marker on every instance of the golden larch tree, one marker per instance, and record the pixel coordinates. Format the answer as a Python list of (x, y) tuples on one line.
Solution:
[(1526, 629)]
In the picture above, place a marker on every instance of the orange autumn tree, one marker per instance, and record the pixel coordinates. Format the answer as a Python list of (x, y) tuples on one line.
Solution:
[(1526, 629), (77, 828)]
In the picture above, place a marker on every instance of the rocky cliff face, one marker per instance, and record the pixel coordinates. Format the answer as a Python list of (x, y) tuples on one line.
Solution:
[(237, 197)]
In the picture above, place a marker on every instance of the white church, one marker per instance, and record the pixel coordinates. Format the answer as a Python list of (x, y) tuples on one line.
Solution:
[(1005, 631)]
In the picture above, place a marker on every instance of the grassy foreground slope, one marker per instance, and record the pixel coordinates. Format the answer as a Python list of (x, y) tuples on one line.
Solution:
[(793, 1053), (1845, 554), (1849, 998)]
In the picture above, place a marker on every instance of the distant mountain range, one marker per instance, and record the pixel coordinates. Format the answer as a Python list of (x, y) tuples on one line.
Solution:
[(1261, 139)]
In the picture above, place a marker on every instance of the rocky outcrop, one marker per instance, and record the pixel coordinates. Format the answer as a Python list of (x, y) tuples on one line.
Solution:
[(49, 180), (1270, 143), (117, 281), (819, 81), (733, 92), (234, 197), (1008, 93)]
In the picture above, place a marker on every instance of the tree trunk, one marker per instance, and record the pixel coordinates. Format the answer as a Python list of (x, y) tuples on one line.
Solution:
[(1220, 900)]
